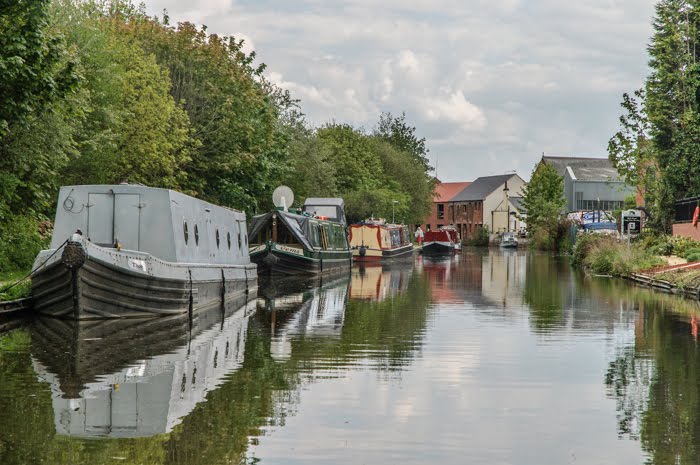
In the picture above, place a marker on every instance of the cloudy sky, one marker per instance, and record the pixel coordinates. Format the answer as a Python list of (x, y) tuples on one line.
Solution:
[(491, 84)]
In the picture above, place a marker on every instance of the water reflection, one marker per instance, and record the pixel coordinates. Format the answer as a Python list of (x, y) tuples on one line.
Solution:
[(131, 378), (379, 282), (488, 357), (656, 380)]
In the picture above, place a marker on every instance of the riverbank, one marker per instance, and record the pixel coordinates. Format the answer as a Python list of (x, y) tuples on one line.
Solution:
[(15, 292), (671, 264)]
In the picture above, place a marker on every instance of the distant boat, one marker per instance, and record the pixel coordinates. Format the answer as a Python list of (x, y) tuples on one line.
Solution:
[(509, 240), (134, 251), (377, 240), (440, 242), (309, 241)]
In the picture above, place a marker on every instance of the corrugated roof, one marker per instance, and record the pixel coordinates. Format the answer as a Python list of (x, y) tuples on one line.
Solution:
[(444, 191), (481, 187), (584, 168)]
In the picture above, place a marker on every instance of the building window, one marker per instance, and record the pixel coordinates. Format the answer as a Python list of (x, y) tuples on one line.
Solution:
[(441, 211)]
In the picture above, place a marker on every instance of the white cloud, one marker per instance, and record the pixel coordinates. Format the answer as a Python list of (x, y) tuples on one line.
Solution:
[(457, 109)]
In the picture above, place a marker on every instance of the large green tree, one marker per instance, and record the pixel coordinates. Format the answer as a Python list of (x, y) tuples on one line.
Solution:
[(658, 145), (543, 202)]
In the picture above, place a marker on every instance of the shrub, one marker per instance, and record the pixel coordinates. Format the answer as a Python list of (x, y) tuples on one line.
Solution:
[(20, 242), (480, 239), (693, 251), (608, 255), (553, 237), (693, 257)]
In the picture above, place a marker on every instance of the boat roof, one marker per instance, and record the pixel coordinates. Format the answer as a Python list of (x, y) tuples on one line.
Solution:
[(335, 201)]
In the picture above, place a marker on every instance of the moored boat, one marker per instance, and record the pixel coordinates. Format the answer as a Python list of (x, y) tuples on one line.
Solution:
[(134, 251), (509, 240), (439, 242), (309, 241), (374, 240)]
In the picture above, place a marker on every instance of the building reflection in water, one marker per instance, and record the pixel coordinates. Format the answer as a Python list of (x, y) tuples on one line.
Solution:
[(134, 377)]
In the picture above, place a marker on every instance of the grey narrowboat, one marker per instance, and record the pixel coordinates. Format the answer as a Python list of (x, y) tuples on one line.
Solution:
[(306, 242), (134, 251)]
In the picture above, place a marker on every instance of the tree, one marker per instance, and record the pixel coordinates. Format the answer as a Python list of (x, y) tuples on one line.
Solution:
[(543, 202), (396, 131), (34, 65), (233, 111), (671, 102)]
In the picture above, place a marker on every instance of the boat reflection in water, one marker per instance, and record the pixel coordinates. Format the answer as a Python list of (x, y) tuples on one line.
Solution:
[(309, 308), (376, 283), (137, 377)]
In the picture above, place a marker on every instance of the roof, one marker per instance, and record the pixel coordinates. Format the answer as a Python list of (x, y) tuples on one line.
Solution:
[(324, 201), (584, 168), (517, 202), (444, 191), (481, 188)]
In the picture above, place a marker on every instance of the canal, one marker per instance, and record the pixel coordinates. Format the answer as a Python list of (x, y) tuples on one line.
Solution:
[(498, 357)]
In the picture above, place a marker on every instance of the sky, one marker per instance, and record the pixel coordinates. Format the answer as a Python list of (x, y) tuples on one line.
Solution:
[(490, 84)]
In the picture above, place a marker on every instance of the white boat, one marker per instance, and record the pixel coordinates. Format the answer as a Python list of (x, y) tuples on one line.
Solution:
[(509, 240)]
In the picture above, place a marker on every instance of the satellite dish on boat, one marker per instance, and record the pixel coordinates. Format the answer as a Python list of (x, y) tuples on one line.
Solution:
[(283, 197)]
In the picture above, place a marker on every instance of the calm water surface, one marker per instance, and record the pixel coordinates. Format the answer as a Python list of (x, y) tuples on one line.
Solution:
[(499, 357)]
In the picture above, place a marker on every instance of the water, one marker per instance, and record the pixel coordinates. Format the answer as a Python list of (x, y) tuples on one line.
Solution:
[(493, 357)]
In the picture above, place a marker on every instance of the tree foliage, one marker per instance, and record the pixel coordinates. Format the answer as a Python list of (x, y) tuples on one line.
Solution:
[(658, 145), (98, 91), (543, 202)]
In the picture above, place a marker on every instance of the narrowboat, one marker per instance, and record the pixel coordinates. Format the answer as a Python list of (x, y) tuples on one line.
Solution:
[(309, 241), (440, 242), (374, 240), (134, 251)]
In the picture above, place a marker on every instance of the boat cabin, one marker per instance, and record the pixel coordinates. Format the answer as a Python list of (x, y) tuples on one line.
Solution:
[(379, 235), (332, 209), (297, 231), (164, 223)]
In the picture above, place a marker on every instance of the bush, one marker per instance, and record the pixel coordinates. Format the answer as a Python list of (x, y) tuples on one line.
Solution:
[(20, 242), (481, 238), (693, 257), (553, 237), (608, 255), (693, 251)]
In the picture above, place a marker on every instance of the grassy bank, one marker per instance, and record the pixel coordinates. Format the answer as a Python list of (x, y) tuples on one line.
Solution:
[(19, 291), (607, 255)]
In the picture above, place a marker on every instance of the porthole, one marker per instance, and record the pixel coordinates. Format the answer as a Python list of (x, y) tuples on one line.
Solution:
[(186, 232), (228, 239), (217, 238), (196, 235)]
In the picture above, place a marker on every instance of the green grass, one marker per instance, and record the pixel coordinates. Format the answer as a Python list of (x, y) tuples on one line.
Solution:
[(17, 292), (607, 255)]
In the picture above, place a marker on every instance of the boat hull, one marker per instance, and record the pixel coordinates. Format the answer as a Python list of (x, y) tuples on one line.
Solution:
[(438, 248), (273, 261), (373, 255), (86, 281)]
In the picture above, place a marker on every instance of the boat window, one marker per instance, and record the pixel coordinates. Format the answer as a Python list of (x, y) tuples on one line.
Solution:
[(186, 232), (217, 238), (228, 239), (196, 235)]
